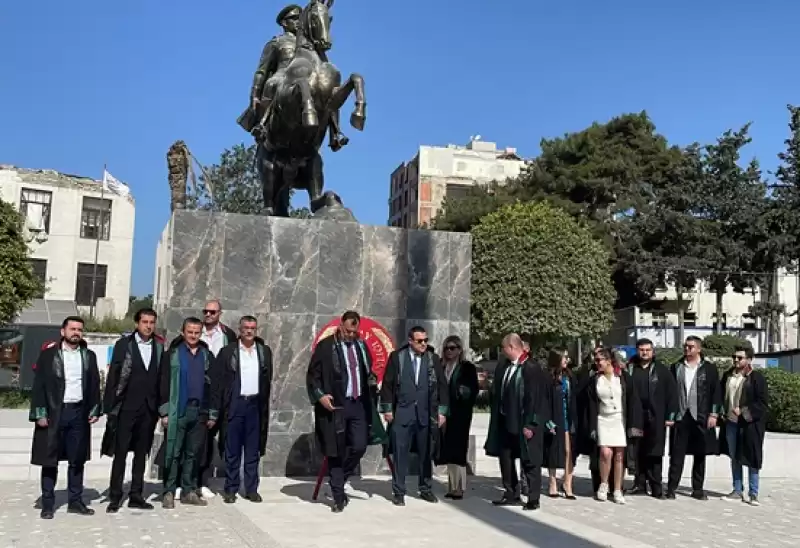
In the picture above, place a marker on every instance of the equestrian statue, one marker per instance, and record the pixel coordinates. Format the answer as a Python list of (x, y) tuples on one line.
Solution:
[(294, 101)]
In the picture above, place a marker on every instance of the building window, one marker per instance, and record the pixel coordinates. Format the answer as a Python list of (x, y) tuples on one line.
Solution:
[(83, 284), (96, 218), (749, 321), (690, 319), (35, 205), (659, 319), (39, 268)]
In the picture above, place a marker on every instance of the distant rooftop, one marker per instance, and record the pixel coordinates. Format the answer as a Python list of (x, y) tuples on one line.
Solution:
[(476, 144), (52, 177)]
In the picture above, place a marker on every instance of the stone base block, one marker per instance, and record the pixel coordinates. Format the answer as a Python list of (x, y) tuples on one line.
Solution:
[(295, 276)]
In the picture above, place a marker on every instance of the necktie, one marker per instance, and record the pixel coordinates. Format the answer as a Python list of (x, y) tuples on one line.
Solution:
[(353, 361)]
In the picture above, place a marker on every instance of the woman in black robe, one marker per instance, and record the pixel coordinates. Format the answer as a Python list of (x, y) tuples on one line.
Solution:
[(462, 381), (559, 442)]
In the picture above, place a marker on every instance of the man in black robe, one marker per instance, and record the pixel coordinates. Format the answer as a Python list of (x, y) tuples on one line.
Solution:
[(699, 403), (65, 401), (414, 401), (131, 405), (340, 384), (741, 434), (517, 425), (658, 395), (241, 383)]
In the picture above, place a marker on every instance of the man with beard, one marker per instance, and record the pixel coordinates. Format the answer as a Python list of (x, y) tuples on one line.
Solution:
[(699, 402), (741, 434), (131, 404), (519, 414), (241, 382), (656, 389), (339, 382), (414, 401), (185, 412), (65, 401)]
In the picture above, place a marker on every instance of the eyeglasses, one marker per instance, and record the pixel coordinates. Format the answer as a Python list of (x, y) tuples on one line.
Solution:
[(207, 312), (451, 347), (420, 341)]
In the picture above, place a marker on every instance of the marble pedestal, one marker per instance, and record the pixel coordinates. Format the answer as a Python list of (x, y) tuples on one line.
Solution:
[(296, 275)]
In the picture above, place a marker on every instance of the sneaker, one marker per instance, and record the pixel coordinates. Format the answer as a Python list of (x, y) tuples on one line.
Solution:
[(207, 493), (193, 499), (618, 497), (602, 492), (754, 500), (734, 496)]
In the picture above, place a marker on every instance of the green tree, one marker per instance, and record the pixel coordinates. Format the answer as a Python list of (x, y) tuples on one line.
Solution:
[(604, 175), (137, 303), (233, 185), (538, 272), (460, 214), (18, 285), (731, 196)]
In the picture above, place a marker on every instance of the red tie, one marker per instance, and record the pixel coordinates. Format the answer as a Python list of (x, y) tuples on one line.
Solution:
[(351, 354)]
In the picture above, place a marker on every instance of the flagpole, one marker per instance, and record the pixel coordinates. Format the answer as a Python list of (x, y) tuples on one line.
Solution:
[(97, 241)]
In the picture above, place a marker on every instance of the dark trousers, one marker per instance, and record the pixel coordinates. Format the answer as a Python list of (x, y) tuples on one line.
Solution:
[(403, 436), (648, 467), (341, 468), (205, 469), (511, 451), (189, 440), (687, 433), (73, 429), (243, 436), (134, 431)]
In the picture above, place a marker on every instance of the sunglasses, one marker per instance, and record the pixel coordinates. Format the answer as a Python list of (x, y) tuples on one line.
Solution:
[(420, 341), (452, 347), (207, 312), (739, 358)]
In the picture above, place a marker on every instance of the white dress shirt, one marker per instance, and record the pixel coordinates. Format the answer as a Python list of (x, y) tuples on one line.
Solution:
[(215, 339), (689, 372), (248, 370), (73, 374), (145, 349)]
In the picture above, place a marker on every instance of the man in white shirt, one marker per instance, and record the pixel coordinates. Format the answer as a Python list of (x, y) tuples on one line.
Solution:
[(241, 382), (694, 430), (65, 401), (217, 336)]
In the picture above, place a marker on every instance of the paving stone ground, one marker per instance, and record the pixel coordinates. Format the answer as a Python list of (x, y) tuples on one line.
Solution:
[(288, 519)]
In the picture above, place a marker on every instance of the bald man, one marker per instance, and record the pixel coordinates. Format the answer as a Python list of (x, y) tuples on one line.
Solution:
[(519, 418)]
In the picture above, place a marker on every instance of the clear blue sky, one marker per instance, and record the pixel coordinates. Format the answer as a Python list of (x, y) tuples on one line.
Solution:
[(89, 82)]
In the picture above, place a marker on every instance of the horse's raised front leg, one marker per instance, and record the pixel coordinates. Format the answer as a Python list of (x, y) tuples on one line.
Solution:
[(310, 118), (355, 83)]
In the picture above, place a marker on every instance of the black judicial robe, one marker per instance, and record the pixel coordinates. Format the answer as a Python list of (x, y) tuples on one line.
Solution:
[(660, 404)]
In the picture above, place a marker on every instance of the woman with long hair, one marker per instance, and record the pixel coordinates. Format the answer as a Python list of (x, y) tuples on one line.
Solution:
[(615, 415), (560, 441), (462, 379)]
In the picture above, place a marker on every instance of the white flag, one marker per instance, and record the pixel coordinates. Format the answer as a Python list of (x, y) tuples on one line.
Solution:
[(115, 185)]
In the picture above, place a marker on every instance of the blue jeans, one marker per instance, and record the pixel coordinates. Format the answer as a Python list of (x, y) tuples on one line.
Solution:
[(732, 436)]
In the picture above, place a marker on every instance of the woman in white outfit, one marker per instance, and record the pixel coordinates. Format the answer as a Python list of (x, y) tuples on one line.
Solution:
[(615, 413)]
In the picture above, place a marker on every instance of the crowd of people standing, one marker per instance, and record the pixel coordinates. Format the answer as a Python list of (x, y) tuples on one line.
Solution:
[(210, 388)]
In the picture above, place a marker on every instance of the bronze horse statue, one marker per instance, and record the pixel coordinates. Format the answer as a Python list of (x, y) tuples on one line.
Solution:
[(308, 93)]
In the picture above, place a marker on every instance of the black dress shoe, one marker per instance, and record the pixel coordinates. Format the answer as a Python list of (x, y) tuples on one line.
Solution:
[(670, 495), (636, 490), (338, 507), (427, 496), (657, 494), (138, 503), (47, 514), (79, 508), (229, 498), (399, 500), (253, 497), (531, 505), (113, 507), (506, 501), (699, 495)]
